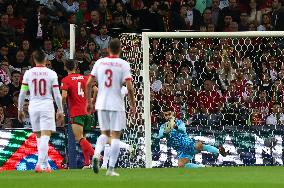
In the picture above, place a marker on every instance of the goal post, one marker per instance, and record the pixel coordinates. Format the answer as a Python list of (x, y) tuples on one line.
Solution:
[(146, 36)]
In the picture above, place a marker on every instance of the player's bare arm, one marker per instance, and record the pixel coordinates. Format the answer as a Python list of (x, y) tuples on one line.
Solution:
[(89, 94), (131, 97), (95, 92), (58, 101), (64, 97)]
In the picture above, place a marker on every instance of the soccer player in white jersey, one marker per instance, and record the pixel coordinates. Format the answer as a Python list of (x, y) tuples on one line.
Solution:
[(110, 73), (42, 83)]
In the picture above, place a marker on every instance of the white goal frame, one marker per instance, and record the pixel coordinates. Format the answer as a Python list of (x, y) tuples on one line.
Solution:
[(146, 81)]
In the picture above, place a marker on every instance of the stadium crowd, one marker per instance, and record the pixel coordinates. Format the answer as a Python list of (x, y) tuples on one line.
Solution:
[(208, 82)]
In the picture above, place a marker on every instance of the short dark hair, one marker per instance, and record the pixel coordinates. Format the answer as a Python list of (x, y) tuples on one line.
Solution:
[(15, 72), (39, 56), (70, 64), (114, 46), (166, 108)]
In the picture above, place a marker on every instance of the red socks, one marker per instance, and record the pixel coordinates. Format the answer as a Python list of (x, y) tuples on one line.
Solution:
[(87, 150)]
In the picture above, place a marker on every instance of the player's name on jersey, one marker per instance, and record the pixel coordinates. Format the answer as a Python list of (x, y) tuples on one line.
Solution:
[(77, 78), (115, 64), (40, 73)]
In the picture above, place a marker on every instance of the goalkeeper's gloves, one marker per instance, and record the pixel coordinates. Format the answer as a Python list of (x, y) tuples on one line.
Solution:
[(167, 128)]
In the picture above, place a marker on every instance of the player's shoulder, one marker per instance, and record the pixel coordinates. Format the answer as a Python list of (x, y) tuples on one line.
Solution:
[(51, 72)]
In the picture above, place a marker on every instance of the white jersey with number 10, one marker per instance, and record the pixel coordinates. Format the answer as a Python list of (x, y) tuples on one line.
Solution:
[(111, 73), (41, 81)]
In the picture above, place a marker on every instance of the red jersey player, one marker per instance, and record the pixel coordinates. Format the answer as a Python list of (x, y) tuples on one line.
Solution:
[(73, 92)]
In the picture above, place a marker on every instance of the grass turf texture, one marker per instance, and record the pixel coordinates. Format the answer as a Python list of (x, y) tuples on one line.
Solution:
[(229, 177)]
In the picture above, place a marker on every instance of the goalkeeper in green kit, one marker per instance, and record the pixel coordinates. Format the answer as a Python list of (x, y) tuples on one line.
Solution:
[(175, 132)]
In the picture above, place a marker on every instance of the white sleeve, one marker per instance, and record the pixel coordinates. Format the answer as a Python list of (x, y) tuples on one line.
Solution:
[(94, 70), (56, 94), (126, 72), (26, 78)]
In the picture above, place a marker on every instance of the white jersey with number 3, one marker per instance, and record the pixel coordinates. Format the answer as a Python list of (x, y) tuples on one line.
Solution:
[(111, 73), (41, 81)]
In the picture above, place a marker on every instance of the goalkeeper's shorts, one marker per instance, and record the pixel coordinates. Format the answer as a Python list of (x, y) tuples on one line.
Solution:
[(183, 155)]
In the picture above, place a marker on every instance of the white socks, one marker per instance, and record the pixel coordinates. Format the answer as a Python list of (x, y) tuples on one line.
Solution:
[(43, 150), (37, 143), (124, 145), (101, 142), (106, 155), (114, 151)]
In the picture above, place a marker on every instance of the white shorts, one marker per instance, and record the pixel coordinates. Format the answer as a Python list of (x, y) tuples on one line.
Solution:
[(112, 120), (42, 121)]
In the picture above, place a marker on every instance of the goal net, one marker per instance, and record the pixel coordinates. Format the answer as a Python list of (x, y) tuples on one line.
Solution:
[(226, 87)]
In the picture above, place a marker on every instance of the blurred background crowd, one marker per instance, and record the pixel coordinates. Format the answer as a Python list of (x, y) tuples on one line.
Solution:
[(206, 81)]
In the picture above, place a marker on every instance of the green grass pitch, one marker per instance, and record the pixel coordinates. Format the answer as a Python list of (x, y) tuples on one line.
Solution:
[(227, 177)]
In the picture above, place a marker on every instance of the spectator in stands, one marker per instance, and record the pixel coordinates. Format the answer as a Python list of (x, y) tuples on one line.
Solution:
[(27, 121), (179, 20), (261, 106), (193, 15), (266, 23), (94, 23), (58, 63), (249, 73), (207, 17), (276, 117), (15, 85), (227, 22), (239, 80), (265, 83), (210, 104), (105, 13), (5, 72), (232, 11), (226, 73), (276, 5), (48, 49), (12, 109), (7, 33), (209, 72), (5, 99), (254, 14), (4, 121), (216, 12), (83, 64), (277, 92), (92, 52), (14, 22), (26, 48), (82, 37), (249, 94), (70, 5), (4, 52), (103, 39), (244, 23), (153, 17), (20, 61)]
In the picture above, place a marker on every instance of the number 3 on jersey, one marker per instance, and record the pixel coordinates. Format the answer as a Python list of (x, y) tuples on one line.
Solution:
[(108, 82), (80, 90)]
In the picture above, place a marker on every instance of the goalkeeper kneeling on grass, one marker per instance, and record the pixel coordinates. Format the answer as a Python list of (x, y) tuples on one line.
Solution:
[(174, 131)]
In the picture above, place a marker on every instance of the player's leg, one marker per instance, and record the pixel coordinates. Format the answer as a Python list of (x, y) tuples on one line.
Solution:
[(87, 149), (185, 163), (206, 147), (34, 118), (47, 126), (106, 156), (117, 123), (104, 123)]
